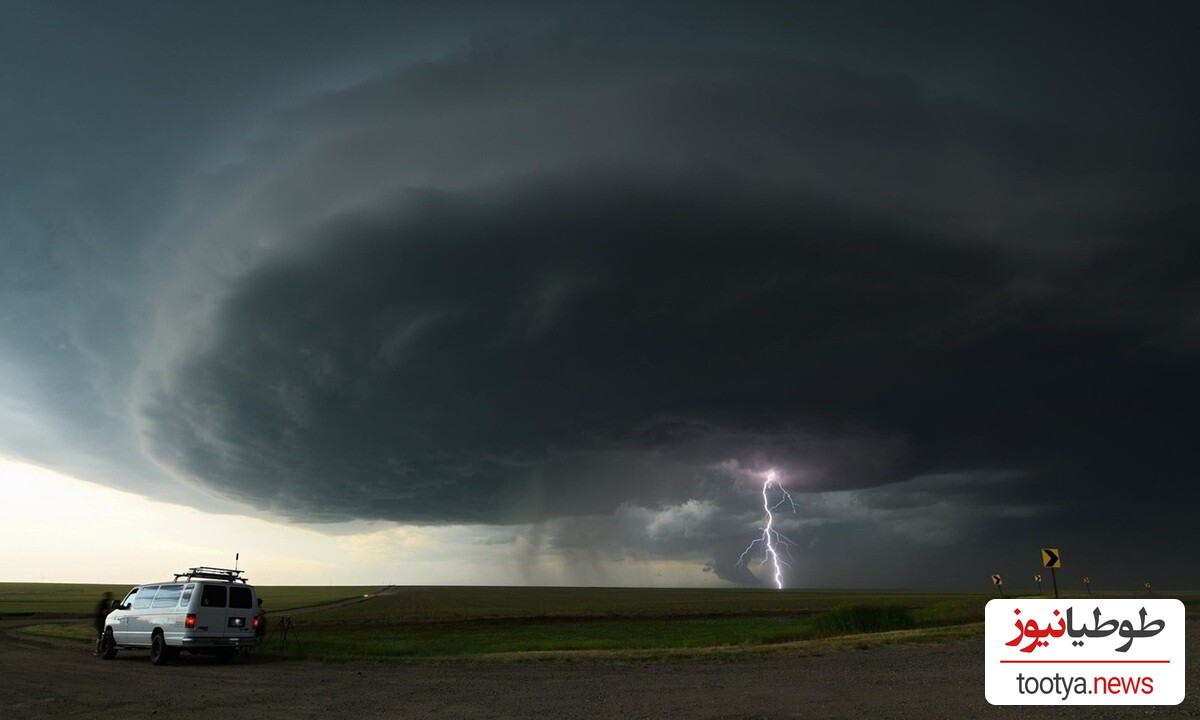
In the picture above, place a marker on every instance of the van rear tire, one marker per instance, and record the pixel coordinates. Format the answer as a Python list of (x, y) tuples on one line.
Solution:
[(160, 652)]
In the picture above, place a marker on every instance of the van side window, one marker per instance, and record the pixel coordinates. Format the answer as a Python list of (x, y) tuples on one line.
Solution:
[(129, 598), (186, 596), (240, 597), (213, 596), (144, 596), (167, 596)]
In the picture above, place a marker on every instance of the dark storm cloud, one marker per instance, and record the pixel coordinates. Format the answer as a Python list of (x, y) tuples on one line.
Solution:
[(572, 285), (557, 349), (123, 124), (937, 265), (880, 144)]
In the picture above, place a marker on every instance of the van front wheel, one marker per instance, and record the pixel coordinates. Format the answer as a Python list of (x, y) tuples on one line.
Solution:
[(160, 652), (108, 646)]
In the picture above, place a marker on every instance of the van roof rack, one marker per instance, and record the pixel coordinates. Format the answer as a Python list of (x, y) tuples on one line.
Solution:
[(212, 573)]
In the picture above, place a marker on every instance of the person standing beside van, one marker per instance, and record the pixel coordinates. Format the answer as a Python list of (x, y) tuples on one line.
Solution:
[(260, 621), (102, 609)]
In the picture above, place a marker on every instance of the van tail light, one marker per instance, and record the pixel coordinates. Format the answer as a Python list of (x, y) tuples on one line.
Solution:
[(256, 622), (190, 620)]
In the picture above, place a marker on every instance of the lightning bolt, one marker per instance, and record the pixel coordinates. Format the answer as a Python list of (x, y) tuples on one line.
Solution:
[(770, 539)]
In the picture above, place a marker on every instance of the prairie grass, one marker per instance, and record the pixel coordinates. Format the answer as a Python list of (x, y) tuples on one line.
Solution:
[(67, 600), (54, 599), (859, 619), (522, 623), (433, 622)]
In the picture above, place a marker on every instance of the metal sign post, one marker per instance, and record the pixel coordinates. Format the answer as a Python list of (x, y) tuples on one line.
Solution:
[(1037, 578), (1052, 558), (1148, 590), (1087, 583), (999, 583)]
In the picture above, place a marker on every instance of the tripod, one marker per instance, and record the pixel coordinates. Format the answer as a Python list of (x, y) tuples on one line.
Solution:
[(284, 629)]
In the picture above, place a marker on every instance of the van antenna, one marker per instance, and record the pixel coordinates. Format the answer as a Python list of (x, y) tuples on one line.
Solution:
[(236, 557)]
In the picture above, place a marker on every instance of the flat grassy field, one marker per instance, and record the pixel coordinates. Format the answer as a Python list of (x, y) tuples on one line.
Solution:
[(416, 604), (622, 623), (432, 622), (53, 599), (66, 600)]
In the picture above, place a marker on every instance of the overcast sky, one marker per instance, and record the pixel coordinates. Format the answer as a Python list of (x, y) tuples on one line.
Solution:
[(553, 286)]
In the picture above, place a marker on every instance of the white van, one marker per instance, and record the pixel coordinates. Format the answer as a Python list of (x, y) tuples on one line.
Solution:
[(206, 610)]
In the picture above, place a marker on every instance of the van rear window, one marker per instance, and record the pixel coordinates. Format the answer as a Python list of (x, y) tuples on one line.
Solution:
[(213, 596), (239, 597), (167, 596)]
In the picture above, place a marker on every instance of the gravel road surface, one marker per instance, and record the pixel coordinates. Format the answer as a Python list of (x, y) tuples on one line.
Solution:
[(40, 680)]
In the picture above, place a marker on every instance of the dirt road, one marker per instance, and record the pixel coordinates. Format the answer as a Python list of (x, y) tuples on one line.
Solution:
[(919, 681)]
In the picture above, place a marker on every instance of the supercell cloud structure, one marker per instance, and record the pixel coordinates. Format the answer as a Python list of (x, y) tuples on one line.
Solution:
[(587, 290)]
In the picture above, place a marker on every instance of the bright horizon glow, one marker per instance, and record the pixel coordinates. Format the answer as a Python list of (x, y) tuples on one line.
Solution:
[(57, 528)]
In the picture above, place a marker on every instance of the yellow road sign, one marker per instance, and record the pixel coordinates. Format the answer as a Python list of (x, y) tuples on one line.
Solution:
[(997, 580), (1051, 558)]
